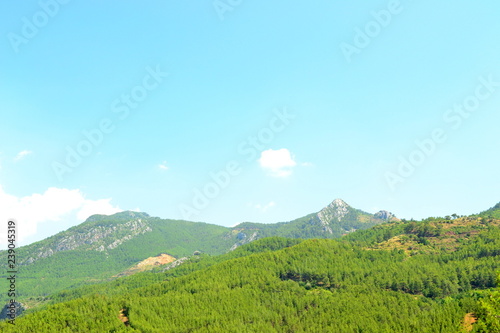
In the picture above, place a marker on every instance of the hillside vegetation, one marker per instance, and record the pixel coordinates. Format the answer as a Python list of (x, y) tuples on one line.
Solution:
[(435, 275), (104, 247)]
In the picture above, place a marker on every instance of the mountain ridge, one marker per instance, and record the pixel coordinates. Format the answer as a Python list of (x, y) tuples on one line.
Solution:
[(104, 246), (344, 285)]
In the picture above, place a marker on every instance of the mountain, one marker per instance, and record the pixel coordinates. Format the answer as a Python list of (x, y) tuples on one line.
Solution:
[(104, 247), (333, 221), (404, 276), (340, 215), (493, 212)]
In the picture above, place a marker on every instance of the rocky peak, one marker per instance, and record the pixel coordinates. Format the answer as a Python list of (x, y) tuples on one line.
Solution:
[(338, 202), (334, 211), (385, 215)]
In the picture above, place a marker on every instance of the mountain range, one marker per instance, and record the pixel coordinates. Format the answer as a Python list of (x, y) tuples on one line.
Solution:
[(127, 250), (108, 245)]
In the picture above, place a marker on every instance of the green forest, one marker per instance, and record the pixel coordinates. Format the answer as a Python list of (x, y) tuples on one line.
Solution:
[(103, 247), (434, 275)]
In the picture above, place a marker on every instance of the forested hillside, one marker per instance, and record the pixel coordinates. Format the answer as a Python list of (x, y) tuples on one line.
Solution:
[(493, 212), (104, 247), (333, 221), (436, 275)]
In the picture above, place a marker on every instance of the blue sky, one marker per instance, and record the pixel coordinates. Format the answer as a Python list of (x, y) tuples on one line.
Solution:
[(386, 104)]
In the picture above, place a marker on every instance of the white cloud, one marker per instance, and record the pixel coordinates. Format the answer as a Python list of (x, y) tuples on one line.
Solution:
[(54, 206), (163, 166), (22, 154), (91, 207), (279, 162), (265, 208)]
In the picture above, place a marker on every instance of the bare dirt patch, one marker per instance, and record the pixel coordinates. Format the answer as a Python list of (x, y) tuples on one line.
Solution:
[(123, 317), (148, 264), (469, 321)]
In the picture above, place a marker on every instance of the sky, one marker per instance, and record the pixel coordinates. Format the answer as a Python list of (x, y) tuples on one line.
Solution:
[(229, 111)]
